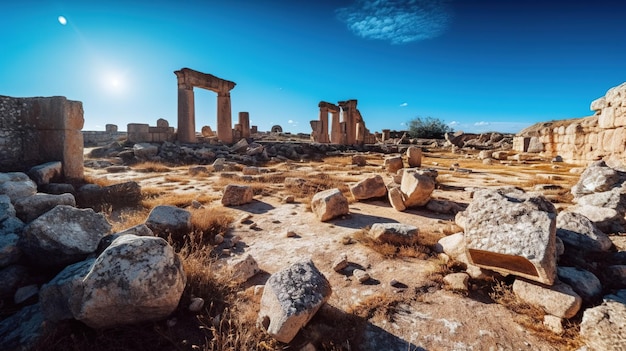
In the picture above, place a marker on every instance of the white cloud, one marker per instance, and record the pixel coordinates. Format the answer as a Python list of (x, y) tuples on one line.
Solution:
[(402, 123), (290, 121), (398, 21), (481, 123), (404, 104), (453, 123)]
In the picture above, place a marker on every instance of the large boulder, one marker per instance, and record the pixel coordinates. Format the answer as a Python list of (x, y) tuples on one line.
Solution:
[(291, 298), (602, 327), (414, 156), (7, 209), (145, 151), (46, 173), (136, 279), (168, 220), (394, 233), (598, 177), (368, 188), (605, 209), (396, 199), (236, 195), (11, 277), (559, 300), (16, 185), (22, 330), (584, 283), (512, 232), (125, 194), (417, 186), (329, 204), (9, 251), (393, 164), (30, 207), (62, 236), (63, 293), (578, 231)]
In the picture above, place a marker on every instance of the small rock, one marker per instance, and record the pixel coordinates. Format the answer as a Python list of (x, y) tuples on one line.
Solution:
[(340, 263), (218, 239), (361, 275), (289, 199), (196, 304), (457, 281), (329, 204), (291, 234), (553, 323), (236, 195)]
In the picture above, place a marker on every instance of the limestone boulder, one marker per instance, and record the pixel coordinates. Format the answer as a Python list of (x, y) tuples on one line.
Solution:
[(394, 233), (452, 245), (368, 188), (512, 232), (291, 298), (62, 294), (485, 154), (597, 177), (46, 173), (11, 277), (605, 209), (236, 195), (614, 276), (122, 195), (136, 279), (167, 220), (62, 236), (9, 251), (576, 230), (602, 327), (583, 282), (145, 151), (30, 207), (16, 185), (329, 204), (414, 156), (138, 230), (359, 160), (393, 164), (7, 209), (11, 225), (500, 155), (396, 199), (457, 281), (244, 268), (22, 330), (559, 300), (417, 188)]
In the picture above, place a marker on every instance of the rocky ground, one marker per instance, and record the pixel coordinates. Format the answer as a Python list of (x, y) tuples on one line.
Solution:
[(419, 316)]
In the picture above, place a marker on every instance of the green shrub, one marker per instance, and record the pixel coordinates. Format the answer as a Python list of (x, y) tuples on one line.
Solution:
[(428, 128)]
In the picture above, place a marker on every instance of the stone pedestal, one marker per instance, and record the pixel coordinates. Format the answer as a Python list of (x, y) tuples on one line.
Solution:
[(244, 121)]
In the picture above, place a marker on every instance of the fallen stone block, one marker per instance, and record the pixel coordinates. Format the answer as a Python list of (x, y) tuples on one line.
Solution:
[(559, 300), (329, 204), (368, 188), (394, 233), (236, 195)]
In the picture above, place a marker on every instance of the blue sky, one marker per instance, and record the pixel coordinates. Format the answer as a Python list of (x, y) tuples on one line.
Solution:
[(478, 65)]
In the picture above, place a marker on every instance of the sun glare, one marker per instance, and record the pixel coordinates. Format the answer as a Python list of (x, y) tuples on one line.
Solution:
[(113, 82), (62, 20)]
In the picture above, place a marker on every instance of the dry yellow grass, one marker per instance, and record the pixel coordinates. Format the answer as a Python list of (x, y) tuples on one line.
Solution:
[(151, 167), (155, 196)]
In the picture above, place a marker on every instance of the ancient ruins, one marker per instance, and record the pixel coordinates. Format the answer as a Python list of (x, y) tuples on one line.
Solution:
[(581, 140), (187, 80), (347, 126)]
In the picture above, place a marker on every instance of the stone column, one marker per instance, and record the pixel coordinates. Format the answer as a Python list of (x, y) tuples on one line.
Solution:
[(386, 134), (335, 134), (323, 126), (186, 115), (224, 118), (360, 133), (244, 121)]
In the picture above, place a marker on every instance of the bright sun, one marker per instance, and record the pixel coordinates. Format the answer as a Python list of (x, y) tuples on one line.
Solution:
[(113, 82)]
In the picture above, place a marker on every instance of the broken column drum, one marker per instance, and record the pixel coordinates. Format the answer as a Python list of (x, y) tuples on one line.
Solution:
[(187, 80)]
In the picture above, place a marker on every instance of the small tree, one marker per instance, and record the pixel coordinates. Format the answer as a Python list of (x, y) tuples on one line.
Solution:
[(428, 128)]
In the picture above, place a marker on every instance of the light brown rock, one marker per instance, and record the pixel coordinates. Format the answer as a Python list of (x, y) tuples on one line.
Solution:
[(368, 188), (329, 204)]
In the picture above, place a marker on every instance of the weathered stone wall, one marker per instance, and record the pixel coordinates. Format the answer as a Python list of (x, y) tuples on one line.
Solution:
[(41, 129), (97, 138), (582, 140)]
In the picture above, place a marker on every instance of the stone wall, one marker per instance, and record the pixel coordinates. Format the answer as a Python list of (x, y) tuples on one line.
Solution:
[(41, 129), (582, 140), (144, 133), (99, 138)]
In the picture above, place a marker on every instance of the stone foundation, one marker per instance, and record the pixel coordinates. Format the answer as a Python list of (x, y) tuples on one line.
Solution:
[(39, 130), (582, 140)]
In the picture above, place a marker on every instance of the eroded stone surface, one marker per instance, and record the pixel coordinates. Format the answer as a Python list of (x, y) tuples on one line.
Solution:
[(371, 187), (604, 327), (329, 204), (394, 233), (236, 195), (559, 300)]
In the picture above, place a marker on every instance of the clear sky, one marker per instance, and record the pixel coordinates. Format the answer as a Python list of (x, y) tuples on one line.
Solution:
[(478, 65)]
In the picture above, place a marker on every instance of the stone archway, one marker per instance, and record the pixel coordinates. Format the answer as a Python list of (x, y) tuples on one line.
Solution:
[(187, 80), (276, 129)]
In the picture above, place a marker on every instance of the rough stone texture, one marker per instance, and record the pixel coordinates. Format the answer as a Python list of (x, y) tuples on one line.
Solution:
[(11, 225), (37, 130), (62, 236), (615, 276), (23, 330), (457, 281), (16, 185), (359, 160), (368, 188), (393, 164), (329, 204), (604, 327), (236, 195), (394, 233), (597, 177), (606, 209), (511, 232), (46, 173), (9, 252), (414, 156), (586, 139), (416, 188), (65, 289), (291, 298), (121, 195), (584, 283), (452, 245), (396, 199), (7, 209), (135, 279), (578, 231), (558, 300), (169, 220), (138, 230), (145, 151), (244, 268), (31, 207)]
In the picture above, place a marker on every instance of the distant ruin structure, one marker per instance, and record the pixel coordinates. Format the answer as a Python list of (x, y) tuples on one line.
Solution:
[(144, 133), (276, 129), (187, 80), (582, 140), (347, 126), (39, 130)]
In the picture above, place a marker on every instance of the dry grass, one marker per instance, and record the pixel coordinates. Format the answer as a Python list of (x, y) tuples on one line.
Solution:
[(531, 317), (151, 167), (103, 181), (155, 196), (392, 251)]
